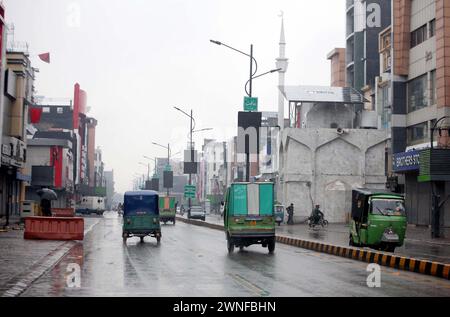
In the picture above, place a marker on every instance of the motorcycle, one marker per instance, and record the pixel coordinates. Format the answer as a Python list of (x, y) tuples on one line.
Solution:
[(321, 222)]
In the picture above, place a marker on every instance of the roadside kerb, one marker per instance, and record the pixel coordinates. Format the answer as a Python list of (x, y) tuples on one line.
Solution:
[(431, 268)]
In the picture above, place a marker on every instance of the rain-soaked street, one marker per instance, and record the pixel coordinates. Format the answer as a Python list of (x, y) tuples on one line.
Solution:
[(193, 262)]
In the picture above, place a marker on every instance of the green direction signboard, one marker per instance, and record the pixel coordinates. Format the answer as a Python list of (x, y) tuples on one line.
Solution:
[(250, 104), (190, 191)]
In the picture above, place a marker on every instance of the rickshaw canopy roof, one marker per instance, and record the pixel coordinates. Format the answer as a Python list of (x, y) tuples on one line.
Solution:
[(142, 193)]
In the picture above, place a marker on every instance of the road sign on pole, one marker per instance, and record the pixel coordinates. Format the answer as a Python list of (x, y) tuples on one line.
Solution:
[(190, 191), (250, 104)]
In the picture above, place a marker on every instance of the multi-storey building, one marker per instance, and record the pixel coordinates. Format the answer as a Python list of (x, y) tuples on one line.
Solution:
[(17, 97), (415, 49)]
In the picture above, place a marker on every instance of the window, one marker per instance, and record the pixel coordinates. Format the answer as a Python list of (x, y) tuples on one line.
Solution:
[(433, 89), (417, 93), (385, 108), (432, 28), (417, 134), (46, 110), (59, 110), (419, 36)]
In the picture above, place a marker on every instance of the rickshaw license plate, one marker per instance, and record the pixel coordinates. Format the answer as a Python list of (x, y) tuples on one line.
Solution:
[(253, 223)]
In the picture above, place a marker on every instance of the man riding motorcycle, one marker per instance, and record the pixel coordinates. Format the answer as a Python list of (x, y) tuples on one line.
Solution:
[(316, 216)]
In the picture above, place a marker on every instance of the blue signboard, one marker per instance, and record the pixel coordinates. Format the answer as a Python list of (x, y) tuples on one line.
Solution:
[(406, 162)]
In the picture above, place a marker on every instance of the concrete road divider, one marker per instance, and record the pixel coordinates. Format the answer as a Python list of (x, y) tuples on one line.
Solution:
[(391, 260), (371, 256), (54, 228), (63, 212)]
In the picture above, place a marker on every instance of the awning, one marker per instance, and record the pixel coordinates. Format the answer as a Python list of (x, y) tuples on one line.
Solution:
[(321, 94)]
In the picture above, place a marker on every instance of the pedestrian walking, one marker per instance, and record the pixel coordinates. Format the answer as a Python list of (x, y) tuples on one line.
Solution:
[(290, 212), (46, 207)]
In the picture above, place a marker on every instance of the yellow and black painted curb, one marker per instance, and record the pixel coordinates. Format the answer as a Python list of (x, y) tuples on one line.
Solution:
[(435, 269), (384, 259)]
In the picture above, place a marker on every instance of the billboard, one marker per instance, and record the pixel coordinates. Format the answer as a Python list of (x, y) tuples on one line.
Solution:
[(168, 179), (249, 124)]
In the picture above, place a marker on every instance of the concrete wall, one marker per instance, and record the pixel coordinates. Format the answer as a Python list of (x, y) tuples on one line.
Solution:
[(320, 167)]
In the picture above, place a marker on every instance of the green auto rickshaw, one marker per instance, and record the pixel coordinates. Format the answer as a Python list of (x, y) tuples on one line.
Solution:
[(141, 215), (378, 220), (249, 215), (167, 209)]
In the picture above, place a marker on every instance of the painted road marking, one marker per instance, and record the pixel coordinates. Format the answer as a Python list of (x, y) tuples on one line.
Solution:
[(248, 285)]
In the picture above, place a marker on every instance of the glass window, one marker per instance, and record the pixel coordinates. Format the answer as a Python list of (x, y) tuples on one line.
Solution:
[(388, 207), (138, 204), (432, 28), (417, 93), (417, 134), (433, 89), (419, 36)]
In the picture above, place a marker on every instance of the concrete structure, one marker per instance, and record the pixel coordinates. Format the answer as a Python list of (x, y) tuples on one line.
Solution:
[(283, 63), (50, 162), (420, 90), (319, 166), (328, 151), (18, 96), (365, 20), (214, 172), (337, 58), (269, 140), (91, 124), (110, 190)]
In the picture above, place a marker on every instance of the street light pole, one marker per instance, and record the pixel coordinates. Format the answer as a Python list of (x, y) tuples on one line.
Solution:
[(168, 164), (436, 199), (192, 155), (251, 70)]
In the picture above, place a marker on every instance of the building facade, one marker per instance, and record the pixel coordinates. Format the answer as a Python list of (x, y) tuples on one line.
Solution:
[(420, 88), (18, 92)]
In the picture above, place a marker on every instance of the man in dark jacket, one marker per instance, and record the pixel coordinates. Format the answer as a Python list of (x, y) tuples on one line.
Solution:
[(316, 214), (46, 207), (290, 211)]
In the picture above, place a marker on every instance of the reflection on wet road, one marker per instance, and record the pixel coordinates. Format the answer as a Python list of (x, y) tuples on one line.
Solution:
[(193, 261)]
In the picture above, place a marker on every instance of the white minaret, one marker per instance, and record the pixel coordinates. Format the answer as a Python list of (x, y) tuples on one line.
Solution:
[(282, 62)]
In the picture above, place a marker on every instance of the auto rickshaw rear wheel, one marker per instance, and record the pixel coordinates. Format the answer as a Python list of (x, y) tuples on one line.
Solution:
[(271, 246), (230, 246)]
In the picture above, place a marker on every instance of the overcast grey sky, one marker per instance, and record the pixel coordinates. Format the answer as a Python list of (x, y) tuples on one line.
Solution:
[(136, 59)]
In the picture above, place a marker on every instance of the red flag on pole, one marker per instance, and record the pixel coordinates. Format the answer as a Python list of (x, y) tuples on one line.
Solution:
[(45, 57)]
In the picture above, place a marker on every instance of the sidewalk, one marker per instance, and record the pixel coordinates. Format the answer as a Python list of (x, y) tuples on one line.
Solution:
[(418, 243), (19, 256)]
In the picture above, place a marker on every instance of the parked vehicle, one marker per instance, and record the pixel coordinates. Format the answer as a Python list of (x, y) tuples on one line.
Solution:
[(89, 205), (378, 220), (141, 215), (249, 216), (197, 212), (279, 214), (167, 210)]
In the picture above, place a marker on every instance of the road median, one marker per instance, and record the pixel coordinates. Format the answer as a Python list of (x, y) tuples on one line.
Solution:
[(391, 260)]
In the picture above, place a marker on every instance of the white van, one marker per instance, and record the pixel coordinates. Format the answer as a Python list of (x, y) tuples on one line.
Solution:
[(90, 205)]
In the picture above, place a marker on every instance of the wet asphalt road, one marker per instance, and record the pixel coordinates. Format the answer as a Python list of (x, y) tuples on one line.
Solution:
[(193, 262)]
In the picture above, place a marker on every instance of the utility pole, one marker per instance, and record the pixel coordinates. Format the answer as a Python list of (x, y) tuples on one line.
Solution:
[(247, 138), (168, 164), (192, 154)]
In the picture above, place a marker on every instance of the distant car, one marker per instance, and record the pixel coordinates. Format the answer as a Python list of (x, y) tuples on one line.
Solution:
[(197, 212)]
